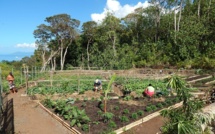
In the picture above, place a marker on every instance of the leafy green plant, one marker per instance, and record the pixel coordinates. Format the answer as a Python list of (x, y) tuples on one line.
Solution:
[(148, 108), (70, 101), (85, 127), (153, 107), (101, 106), (112, 124), (107, 116), (127, 98), (79, 117), (124, 118), (49, 103), (126, 111), (140, 112), (96, 122), (134, 115), (116, 108), (159, 105)]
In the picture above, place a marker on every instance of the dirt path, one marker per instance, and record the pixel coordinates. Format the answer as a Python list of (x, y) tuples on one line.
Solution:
[(153, 126), (29, 118), (150, 127)]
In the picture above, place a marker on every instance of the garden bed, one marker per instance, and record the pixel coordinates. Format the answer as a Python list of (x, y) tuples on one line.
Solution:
[(123, 112), (199, 77)]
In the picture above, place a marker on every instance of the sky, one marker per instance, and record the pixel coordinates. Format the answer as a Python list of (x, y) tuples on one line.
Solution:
[(19, 18)]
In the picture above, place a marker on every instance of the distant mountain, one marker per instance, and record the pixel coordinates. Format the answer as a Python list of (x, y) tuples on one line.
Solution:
[(15, 56)]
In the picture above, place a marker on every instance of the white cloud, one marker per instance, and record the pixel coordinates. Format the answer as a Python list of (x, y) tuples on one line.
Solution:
[(26, 45), (117, 9)]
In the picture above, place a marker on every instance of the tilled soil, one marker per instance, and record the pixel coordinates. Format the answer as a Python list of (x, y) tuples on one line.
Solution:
[(117, 107)]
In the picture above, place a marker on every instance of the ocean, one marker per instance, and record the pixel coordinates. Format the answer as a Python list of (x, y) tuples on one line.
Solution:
[(14, 56)]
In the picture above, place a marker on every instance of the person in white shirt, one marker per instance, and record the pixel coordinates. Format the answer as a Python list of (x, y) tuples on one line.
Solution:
[(97, 85)]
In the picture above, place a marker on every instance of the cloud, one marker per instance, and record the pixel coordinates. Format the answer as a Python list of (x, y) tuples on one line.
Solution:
[(117, 9), (26, 45)]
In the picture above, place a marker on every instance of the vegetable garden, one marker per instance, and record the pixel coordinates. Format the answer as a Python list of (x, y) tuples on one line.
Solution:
[(71, 97)]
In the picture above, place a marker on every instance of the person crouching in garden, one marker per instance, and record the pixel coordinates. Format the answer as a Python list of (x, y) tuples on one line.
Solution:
[(97, 85), (149, 91), (10, 79)]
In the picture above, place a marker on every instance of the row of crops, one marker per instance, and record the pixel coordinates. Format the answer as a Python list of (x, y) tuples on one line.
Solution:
[(68, 84)]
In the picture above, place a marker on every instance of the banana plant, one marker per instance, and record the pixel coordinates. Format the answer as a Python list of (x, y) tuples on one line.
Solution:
[(108, 90), (174, 82)]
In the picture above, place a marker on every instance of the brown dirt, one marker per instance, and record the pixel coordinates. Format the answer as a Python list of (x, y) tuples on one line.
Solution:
[(25, 116), (150, 127), (98, 125)]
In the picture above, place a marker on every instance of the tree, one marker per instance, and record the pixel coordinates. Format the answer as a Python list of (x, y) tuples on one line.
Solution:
[(44, 47), (89, 29), (64, 31)]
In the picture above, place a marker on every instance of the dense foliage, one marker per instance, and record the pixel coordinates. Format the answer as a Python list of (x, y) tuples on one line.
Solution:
[(167, 33)]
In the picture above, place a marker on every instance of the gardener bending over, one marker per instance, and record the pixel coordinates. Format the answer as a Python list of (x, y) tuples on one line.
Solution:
[(97, 85), (149, 91)]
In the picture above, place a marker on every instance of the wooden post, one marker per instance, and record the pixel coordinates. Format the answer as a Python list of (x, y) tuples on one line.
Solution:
[(78, 82), (51, 78), (26, 76)]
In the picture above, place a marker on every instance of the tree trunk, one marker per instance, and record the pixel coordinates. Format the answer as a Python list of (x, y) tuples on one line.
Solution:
[(179, 18), (46, 63), (88, 55), (175, 20), (113, 39), (199, 7), (209, 7), (63, 54)]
